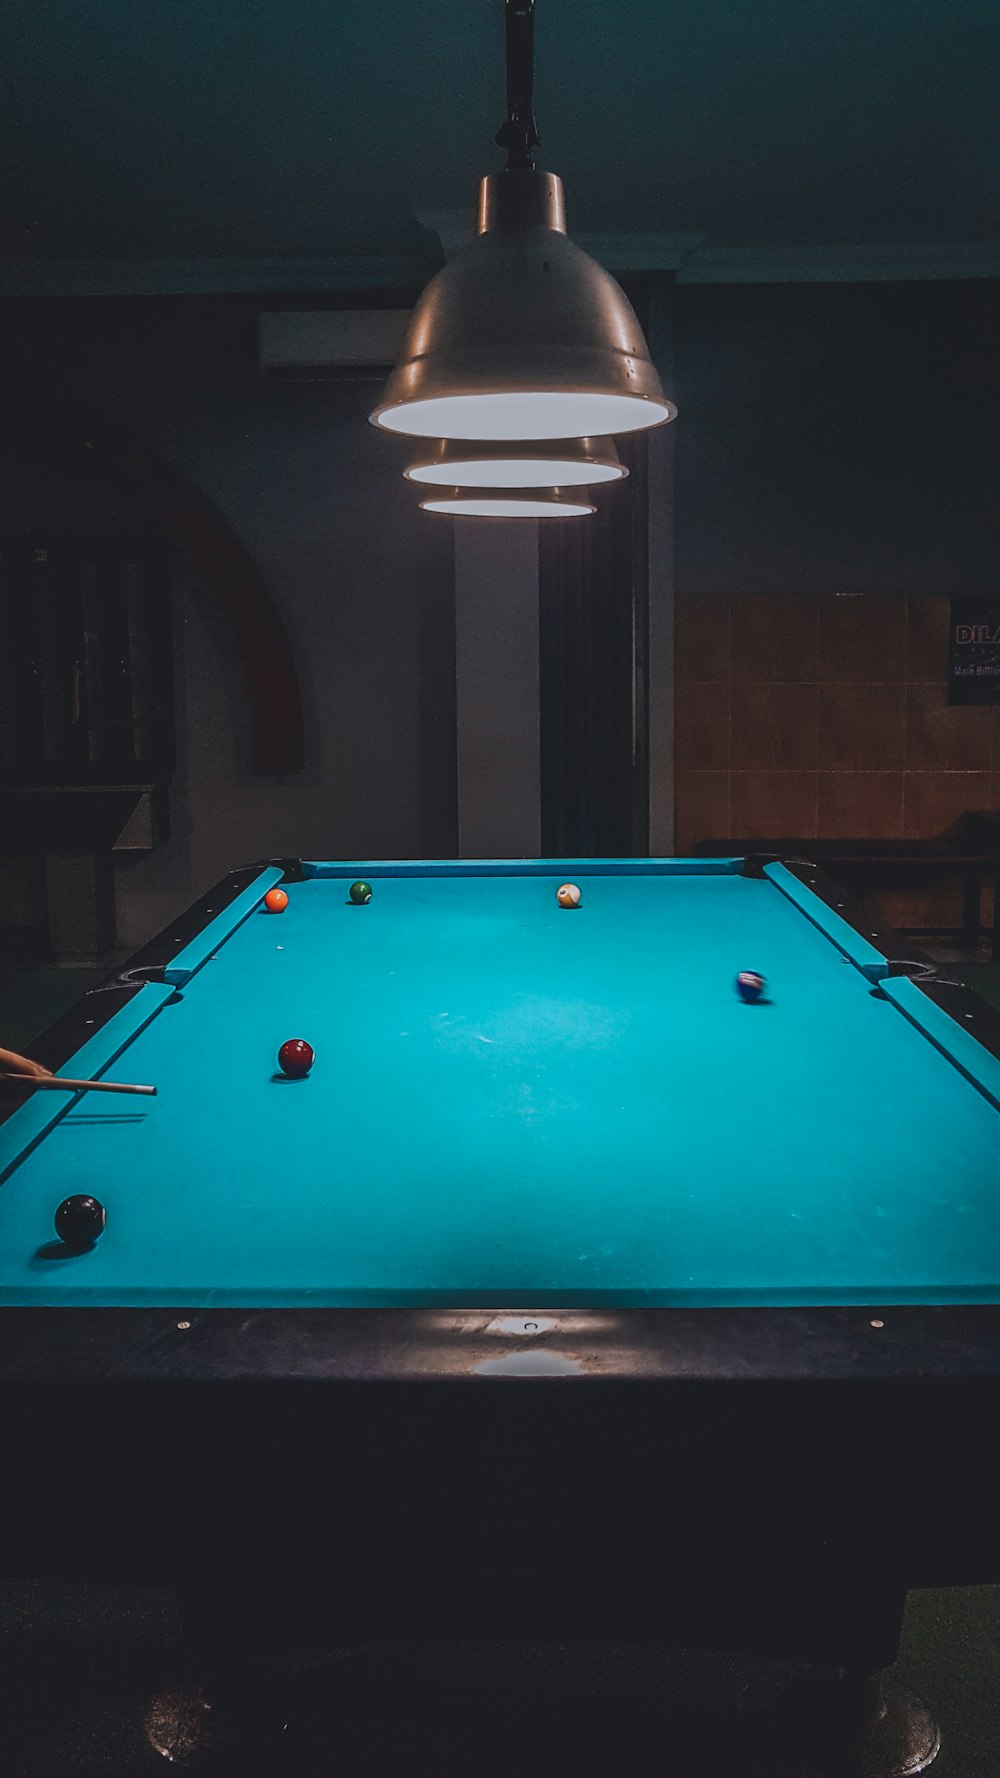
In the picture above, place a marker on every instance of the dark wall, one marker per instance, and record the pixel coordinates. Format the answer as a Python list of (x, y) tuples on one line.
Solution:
[(362, 579), (840, 438), (838, 467), (832, 440)]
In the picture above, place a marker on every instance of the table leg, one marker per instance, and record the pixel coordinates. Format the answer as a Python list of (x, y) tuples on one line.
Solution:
[(860, 1725), (896, 1733), (182, 1724), (222, 1707)]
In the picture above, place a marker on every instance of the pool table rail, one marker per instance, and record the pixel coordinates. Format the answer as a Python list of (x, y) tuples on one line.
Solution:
[(906, 1344), (941, 984), (68, 1034), (157, 960), (663, 1345)]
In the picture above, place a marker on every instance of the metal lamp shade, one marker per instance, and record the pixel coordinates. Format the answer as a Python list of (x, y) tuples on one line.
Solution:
[(522, 335), (544, 463), (508, 503)]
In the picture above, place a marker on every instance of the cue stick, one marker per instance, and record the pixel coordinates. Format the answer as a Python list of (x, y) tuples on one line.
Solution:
[(57, 1083)]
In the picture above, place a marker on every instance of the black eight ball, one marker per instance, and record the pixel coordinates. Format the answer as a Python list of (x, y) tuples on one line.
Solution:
[(79, 1222)]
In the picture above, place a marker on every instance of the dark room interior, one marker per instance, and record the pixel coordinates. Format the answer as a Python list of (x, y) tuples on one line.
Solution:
[(499, 979)]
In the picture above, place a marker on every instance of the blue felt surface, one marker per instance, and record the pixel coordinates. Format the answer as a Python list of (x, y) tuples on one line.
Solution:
[(515, 1103)]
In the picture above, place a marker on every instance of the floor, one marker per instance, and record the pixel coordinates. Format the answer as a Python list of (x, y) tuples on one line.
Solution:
[(90, 1685), (89, 1688)]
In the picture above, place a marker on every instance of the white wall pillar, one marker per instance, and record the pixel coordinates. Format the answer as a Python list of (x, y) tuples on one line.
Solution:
[(496, 670), (660, 545)]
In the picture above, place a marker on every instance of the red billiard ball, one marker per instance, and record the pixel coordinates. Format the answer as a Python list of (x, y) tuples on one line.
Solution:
[(296, 1057), (276, 901)]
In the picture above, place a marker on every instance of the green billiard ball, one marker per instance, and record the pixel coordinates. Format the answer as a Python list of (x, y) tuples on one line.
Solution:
[(361, 892)]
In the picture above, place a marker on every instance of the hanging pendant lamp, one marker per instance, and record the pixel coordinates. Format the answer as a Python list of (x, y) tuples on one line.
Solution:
[(545, 463), (522, 335), (513, 503)]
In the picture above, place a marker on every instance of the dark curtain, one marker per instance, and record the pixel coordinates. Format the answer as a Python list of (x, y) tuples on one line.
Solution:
[(593, 596)]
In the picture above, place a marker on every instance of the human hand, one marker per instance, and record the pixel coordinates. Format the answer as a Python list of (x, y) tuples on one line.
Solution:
[(11, 1062)]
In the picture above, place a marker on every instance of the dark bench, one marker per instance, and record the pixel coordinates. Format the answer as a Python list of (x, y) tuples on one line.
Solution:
[(862, 865)]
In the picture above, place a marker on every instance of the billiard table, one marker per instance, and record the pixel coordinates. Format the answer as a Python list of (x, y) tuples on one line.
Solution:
[(567, 1287)]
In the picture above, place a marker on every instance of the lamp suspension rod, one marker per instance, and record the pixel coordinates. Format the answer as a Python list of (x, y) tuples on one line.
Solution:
[(519, 133)]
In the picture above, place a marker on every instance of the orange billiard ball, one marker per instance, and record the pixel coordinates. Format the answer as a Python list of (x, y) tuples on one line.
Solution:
[(276, 901), (568, 896)]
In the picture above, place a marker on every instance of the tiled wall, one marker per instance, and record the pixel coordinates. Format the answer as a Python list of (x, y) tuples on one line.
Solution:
[(821, 717)]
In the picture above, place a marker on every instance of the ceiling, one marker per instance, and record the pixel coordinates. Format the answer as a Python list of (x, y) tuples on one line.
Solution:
[(288, 130)]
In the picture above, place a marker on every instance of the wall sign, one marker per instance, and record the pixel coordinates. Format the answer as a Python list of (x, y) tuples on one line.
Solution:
[(974, 655)]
